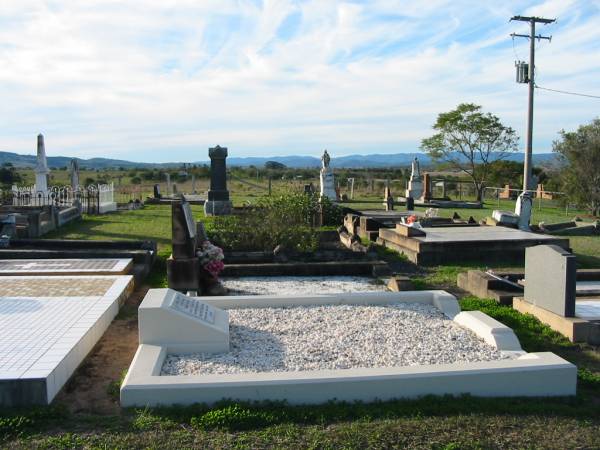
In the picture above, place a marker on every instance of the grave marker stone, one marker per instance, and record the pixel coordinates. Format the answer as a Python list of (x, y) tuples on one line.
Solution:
[(41, 169), (218, 202), (550, 279)]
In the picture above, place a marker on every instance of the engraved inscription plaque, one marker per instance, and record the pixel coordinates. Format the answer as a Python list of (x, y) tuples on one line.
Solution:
[(189, 219), (194, 308)]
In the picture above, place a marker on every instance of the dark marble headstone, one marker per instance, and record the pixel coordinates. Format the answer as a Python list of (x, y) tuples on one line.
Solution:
[(218, 174), (218, 202), (184, 268), (550, 279), (183, 229)]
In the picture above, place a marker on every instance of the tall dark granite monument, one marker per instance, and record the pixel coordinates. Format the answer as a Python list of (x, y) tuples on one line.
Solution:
[(218, 202)]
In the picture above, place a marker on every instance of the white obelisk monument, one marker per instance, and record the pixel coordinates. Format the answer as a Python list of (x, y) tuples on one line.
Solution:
[(41, 169)]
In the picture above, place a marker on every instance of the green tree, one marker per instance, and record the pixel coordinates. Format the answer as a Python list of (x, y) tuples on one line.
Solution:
[(580, 152), (9, 175), (469, 140)]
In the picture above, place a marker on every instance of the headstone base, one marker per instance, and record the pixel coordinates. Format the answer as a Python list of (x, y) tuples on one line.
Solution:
[(218, 207), (328, 185), (182, 273), (187, 274)]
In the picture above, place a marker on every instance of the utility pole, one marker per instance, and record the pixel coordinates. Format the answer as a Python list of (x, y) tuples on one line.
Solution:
[(531, 80)]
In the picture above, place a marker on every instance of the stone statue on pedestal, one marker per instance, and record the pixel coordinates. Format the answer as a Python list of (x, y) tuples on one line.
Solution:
[(327, 179), (415, 184)]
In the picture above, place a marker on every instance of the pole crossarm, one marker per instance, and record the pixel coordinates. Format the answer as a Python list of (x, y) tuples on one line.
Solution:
[(532, 19), (538, 37)]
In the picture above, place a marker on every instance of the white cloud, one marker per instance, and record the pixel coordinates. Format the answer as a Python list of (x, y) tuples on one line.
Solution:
[(126, 79)]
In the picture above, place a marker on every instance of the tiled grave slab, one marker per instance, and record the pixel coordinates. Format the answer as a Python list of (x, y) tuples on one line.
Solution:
[(487, 244), (90, 266), (449, 234), (48, 325), (588, 309)]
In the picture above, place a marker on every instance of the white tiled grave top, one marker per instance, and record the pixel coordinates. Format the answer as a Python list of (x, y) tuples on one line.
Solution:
[(98, 266), (48, 324), (587, 309), (301, 285)]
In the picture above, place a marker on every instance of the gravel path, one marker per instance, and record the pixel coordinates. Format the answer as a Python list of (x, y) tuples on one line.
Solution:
[(336, 337), (300, 285)]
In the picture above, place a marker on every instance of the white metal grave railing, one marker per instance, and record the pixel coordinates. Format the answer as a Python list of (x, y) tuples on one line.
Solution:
[(89, 198)]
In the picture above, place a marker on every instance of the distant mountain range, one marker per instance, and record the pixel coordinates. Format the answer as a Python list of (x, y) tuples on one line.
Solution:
[(350, 162)]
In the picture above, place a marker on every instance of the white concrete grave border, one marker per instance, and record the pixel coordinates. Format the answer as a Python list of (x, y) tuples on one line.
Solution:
[(526, 374)]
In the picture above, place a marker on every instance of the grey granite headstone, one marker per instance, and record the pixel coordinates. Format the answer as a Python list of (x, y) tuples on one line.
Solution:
[(550, 279)]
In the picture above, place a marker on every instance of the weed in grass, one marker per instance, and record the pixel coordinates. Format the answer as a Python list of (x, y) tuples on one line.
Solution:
[(145, 420), (114, 387), (235, 417), (63, 441), (13, 426), (586, 378)]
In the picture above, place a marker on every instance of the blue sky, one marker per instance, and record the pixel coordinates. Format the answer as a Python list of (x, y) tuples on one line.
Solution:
[(160, 81)]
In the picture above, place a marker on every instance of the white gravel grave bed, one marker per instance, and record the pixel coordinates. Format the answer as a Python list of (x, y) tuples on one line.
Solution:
[(304, 338), (301, 285)]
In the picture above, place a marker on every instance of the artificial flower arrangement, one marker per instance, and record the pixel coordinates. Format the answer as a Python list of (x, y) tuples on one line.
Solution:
[(211, 258)]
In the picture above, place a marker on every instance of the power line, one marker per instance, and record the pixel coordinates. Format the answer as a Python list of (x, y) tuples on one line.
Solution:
[(567, 92)]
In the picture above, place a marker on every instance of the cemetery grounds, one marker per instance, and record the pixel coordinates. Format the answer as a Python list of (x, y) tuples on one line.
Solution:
[(86, 414)]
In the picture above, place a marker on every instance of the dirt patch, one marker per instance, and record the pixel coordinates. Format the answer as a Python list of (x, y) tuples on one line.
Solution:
[(88, 389)]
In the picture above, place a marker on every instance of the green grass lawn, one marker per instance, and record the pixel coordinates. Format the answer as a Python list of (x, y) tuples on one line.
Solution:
[(431, 422)]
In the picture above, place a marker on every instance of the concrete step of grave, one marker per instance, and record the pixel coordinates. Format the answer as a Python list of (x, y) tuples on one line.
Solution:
[(318, 256), (588, 274), (60, 244), (377, 268)]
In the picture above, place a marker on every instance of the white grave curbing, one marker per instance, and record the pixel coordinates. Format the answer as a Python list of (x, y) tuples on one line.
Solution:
[(533, 374)]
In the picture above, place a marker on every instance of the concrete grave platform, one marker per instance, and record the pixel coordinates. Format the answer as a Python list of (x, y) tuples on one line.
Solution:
[(521, 374), (583, 327), (442, 245), (96, 266), (48, 325)]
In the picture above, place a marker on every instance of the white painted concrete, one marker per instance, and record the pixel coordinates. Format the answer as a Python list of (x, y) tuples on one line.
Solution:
[(490, 330), (536, 374), (162, 322)]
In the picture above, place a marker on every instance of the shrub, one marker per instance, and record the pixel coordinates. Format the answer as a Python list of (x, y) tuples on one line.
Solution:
[(289, 220)]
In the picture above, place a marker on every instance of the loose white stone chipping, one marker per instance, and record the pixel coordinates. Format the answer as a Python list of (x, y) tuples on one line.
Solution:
[(301, 285), (336, 337)]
